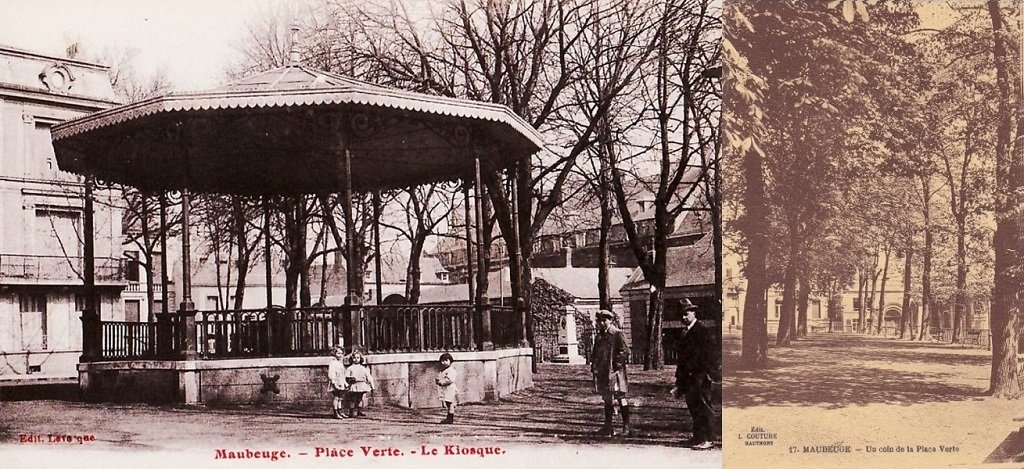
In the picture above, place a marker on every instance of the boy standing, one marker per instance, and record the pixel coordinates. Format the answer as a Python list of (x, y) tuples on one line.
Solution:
[(608, 366)]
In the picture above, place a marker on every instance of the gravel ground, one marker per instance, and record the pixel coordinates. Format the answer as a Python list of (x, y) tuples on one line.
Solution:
[(890, 403), (549, 425)]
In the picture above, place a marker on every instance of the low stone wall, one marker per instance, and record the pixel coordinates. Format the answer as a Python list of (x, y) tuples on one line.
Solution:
[(405, 379)]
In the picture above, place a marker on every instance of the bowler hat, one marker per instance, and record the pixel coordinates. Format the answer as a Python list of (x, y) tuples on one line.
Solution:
[(687, 305), (605, 314)]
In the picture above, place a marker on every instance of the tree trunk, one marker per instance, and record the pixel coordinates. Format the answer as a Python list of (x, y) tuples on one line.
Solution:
[(960, 294), (653, 356), (881, 292), (148, 252), (907, 275), (1008, 236), (217, 271), (412, 271), (875, 272), (244, 254), (296, 243), (788, 315), (926, 268), (754, 227), (802, 302), (524, 181), (862, 286), (604, 252), (653, 351), (484, 254)]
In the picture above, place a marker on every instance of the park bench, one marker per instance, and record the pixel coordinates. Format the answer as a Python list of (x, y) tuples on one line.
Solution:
[(937, 334), (817, 329), (973, 336)]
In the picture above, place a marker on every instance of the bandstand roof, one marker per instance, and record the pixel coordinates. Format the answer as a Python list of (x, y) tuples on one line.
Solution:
[(284, 132)]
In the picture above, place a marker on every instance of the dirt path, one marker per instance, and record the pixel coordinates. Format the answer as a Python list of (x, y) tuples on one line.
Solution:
[(890, 403), (549, 425)]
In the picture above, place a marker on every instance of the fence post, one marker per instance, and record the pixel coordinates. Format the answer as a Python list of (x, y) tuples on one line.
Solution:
[(420, 336)]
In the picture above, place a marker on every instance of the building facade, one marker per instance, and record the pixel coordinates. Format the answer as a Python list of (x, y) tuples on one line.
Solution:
[(690, 275), (41, 207), (846, 307)]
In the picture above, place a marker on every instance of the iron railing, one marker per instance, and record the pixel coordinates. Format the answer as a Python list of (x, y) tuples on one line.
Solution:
[(417, 328), (278, 332), (268, 332), (123, 340)]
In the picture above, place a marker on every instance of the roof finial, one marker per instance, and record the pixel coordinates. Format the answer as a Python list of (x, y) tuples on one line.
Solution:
[(293, 54)]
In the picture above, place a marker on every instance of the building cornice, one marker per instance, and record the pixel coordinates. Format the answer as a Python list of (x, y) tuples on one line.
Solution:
[(8, 90), (15, 52), (48, 182)]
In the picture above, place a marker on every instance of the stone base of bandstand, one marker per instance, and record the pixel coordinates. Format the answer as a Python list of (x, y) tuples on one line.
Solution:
[(403, 379)]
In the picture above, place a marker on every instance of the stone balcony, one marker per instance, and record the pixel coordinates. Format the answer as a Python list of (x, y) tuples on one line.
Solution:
[(22, 269)]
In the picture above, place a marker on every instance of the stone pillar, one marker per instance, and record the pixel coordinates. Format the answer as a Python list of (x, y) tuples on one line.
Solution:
[(568, 344)]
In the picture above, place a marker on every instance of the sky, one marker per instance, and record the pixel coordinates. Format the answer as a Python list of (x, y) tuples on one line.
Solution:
[(194, 41)]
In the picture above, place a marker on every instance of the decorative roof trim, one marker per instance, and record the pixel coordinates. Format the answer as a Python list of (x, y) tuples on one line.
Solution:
[(367, 96)]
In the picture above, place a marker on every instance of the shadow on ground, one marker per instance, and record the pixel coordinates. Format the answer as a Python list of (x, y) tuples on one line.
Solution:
[(561, 408), (63, 392), (1009, 451), (839, 370)]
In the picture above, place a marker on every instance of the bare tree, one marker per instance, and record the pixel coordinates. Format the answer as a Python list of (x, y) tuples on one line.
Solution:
[(421, 209), (684, 103), (523, 54)]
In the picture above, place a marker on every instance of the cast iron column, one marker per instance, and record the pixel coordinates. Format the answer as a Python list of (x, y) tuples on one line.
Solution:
[(266, 253), (483, 305), (469, 259), (186, 308), (376, 244), (516, 260), (92, 332), (164, 331), (354, 299), (164, 294)]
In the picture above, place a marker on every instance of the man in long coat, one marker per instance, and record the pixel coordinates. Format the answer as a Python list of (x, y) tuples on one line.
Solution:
[(608, 365), (698, 364)]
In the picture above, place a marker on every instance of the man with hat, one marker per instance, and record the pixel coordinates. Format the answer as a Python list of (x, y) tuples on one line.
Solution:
[(608, 366), (699, 362)]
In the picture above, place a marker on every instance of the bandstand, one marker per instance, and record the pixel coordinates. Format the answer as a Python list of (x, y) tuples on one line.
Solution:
[(295, 131)]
